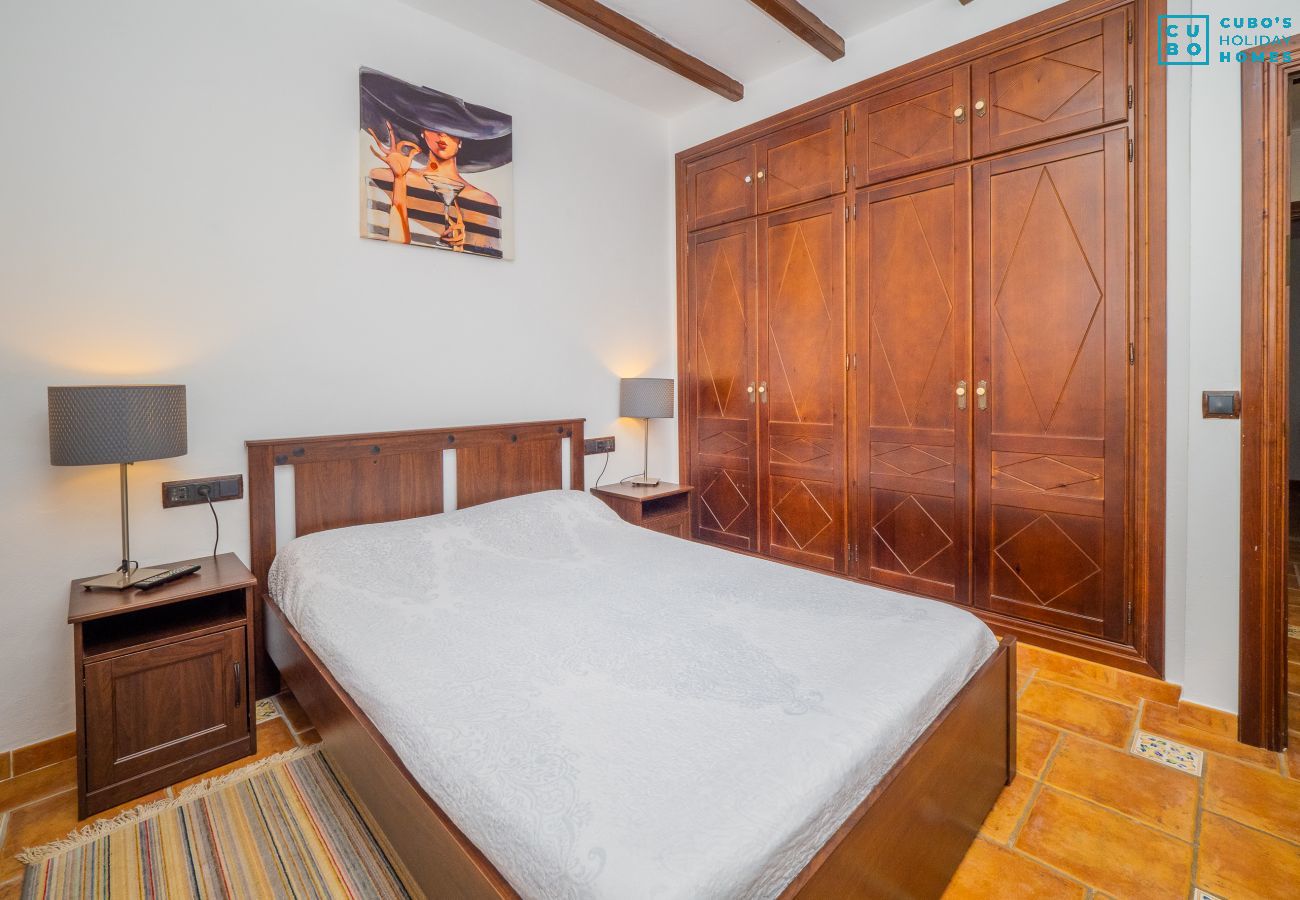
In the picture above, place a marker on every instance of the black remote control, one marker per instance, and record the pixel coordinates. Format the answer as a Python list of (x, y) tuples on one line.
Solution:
[(167, 577)]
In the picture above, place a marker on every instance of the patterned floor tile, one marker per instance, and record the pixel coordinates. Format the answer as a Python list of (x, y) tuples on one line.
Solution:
[(1168, 753), (266, 709)]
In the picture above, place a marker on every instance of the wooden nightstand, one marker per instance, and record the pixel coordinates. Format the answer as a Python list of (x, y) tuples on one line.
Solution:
[(665, 508), (164, 681)]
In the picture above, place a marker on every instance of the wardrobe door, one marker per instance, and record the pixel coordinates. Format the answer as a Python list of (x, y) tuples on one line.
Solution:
[(1051, 345), (912, 323), (925, 124), (802, 384), (1067, 81), (722, 187), (722, 383), (801, 163)]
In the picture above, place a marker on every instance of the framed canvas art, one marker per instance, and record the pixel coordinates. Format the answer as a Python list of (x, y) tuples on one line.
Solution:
[(436, 171)]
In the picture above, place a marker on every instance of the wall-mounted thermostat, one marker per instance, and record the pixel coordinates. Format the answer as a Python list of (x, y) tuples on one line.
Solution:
[(1221, 404)]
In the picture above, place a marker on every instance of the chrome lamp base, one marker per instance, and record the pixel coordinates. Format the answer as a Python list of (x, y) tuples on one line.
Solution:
[(125, 577), (644, 481)]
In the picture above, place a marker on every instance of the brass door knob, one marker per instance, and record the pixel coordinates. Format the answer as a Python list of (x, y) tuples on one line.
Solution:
[(761, 174), (961, 395), (980, 108), (982, 395), (749, 179), (959, 114)]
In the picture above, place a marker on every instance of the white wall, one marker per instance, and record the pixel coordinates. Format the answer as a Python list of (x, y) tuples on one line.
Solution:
[(181, 205), (1204, 354), (1204, 302)]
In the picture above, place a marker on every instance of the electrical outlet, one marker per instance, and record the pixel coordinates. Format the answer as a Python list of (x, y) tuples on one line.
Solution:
[(598, 445), (191, 492)]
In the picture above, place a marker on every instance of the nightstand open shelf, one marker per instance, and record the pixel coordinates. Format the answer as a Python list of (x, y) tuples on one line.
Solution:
[(665, 507), (146, 629), (164, 681)]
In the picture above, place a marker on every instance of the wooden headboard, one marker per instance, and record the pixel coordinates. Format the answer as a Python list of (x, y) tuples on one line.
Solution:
[(358, 479)]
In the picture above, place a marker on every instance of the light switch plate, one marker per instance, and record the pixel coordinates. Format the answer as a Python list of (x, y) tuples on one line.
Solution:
[(1221, 404), (190, 493)]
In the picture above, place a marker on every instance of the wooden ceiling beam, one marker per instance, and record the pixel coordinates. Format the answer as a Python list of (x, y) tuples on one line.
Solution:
[(620, 29), (804, 23)]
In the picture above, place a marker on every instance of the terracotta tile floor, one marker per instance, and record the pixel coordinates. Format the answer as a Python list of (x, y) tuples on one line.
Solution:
[(1085, 818), (43, 807), (1293, 643), (1293, 622)]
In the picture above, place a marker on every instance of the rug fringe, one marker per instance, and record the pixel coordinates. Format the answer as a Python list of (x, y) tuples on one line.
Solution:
[(95, 830)]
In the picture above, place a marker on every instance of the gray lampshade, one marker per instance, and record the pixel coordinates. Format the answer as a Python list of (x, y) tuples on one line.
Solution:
[(99, 424), (646, 398)]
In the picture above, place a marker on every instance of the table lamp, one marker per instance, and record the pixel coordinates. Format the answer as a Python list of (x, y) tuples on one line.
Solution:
[(101, 424), (646, 398)]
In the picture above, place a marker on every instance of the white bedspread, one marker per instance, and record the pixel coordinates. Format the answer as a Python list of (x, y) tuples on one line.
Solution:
[(609, 712)]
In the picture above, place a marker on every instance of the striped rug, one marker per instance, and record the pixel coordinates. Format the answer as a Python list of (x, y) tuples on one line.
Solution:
[(286, 827)]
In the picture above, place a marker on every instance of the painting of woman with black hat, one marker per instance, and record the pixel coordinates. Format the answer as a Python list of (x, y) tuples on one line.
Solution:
[(420, 150)]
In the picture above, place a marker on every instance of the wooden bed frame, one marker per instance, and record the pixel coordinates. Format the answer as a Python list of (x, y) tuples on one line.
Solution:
[(904, 840)]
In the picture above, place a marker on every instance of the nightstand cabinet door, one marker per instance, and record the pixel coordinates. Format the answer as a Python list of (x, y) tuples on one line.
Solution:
[(677, 525), (163, 705)]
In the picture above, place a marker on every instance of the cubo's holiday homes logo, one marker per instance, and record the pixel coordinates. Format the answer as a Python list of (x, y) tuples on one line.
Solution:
[(1198, 41)]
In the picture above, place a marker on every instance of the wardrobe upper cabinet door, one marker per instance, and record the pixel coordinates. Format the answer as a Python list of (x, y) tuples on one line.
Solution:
[(1066, 81), (801, 163), (721, 390), (922, 125), (722, 187)]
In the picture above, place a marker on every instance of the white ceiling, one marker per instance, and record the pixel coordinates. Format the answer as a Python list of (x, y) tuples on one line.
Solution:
[(732, 35)]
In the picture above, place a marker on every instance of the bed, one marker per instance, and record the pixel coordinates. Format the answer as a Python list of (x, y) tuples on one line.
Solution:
[(534, 698)]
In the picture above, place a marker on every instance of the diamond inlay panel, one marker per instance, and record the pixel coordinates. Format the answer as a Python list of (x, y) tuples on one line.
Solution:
[(912, 310), (910, 459), (722, 329), (1061, 475), (1041, 88), (799, 450), (801, 326), (1066, 81), (724, 501), (1045, 560), (910, 129), (1046, 321), (911, 535), (802, 516)]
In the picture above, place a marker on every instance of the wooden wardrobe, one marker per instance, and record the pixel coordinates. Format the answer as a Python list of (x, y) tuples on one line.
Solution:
[(918, 330)]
